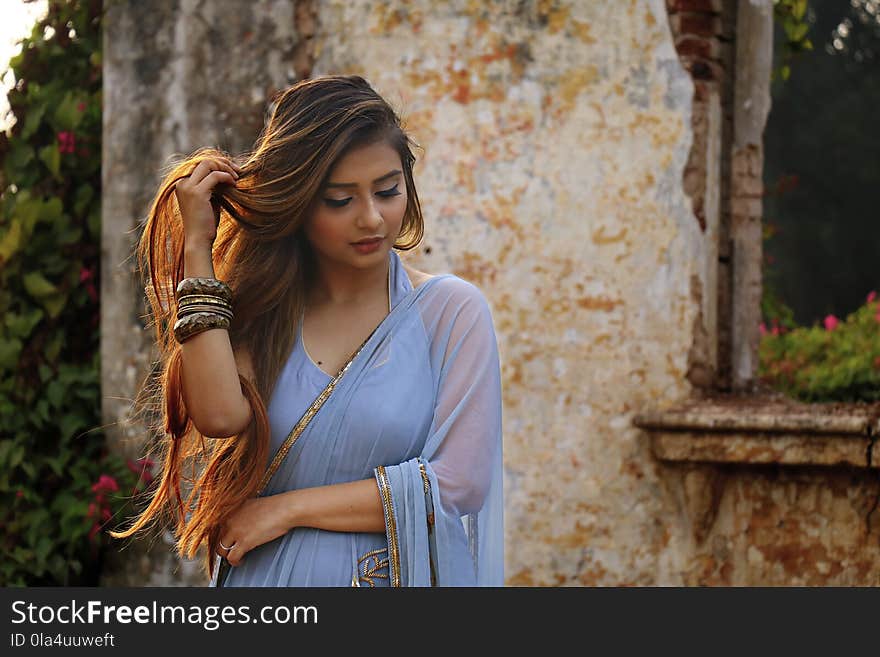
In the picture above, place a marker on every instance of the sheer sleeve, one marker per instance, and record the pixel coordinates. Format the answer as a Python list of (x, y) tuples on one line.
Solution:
[(467, 417), (443, 510)]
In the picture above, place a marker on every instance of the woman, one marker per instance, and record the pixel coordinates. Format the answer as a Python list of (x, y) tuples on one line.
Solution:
[(278, 281)]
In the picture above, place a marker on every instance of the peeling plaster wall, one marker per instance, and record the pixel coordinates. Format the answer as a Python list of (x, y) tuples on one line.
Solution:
[(777, 526), (555, 139), (178, 75)]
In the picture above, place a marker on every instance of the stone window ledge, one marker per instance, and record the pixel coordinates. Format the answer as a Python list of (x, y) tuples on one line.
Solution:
[(764, 429)]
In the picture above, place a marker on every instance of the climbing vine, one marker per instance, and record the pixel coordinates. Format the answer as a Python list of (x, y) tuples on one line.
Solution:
[(59, 485)]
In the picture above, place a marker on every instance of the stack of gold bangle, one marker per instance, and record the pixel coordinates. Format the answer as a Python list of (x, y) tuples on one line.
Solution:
[(202, 304)]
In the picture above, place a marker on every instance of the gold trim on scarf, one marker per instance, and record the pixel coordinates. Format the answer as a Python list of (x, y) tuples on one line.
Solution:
[(390, 524), (429, 508), (424, 476), (296, 432)]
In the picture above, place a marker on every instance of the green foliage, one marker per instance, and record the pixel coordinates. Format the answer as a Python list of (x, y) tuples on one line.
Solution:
[(790, 15), (773, 309), (53, 499), (839, 361)]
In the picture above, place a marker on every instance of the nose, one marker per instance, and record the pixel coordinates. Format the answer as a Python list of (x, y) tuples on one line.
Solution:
[(370, 218)]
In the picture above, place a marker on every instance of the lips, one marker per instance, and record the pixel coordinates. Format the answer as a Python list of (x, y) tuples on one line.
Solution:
[(369, 241)]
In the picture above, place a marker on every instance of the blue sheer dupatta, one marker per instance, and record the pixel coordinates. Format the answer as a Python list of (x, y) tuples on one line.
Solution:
[(444, 508), (419, 409)]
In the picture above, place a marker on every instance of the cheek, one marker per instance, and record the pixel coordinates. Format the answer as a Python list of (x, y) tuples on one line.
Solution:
[(322, 227), (400, 207)]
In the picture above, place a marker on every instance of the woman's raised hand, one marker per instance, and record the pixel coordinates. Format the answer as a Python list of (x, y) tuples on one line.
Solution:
[(200, 216)]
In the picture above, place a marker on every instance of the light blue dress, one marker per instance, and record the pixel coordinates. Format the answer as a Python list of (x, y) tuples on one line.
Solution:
[(419, 411)]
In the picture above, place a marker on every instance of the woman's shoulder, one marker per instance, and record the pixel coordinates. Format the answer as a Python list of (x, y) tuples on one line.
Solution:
[(416, 277), (449, 284)]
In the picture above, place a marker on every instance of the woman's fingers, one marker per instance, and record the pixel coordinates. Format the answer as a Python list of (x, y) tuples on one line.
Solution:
[(206, 167), (231, 551), (235, 555), (215, 178), (199, 210)]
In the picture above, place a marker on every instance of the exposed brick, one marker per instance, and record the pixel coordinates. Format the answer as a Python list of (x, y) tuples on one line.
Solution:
[(698, 47), (701, 69), (694, 180), (706, 6), (699, 24), (739, 166), (747, 186), (704, 90)]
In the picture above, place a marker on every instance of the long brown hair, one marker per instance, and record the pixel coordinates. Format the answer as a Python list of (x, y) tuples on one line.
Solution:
[(261, 251)]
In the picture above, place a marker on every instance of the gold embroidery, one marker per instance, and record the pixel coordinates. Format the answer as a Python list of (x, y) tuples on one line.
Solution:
[(390, 525), (424, 477), (430, 508), (371, 570)]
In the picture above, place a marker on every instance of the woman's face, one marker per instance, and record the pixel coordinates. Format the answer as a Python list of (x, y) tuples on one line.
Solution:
[(364, 198)]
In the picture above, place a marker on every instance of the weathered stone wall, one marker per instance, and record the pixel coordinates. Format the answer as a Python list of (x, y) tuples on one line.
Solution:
[(750, 524), (574, 168), (703, 41), (556, 136), (178, 75)]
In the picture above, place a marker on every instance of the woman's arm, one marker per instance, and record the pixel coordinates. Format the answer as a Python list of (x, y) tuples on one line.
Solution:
[(350, 507), (209, 369)]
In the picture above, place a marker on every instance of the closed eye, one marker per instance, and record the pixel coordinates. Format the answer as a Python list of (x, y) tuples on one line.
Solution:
[(385, 193), (390, 192)]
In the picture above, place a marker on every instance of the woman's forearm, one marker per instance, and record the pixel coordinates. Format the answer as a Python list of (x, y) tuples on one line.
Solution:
[(209, 375), (350, 507)]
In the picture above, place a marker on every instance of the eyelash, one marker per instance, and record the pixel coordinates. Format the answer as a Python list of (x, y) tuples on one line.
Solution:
[(339, 203)]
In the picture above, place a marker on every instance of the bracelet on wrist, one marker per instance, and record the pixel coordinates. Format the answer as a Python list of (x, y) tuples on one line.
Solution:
[(191, 325)]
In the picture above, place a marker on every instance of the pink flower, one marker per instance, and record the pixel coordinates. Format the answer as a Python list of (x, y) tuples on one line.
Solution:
[(86, 274), (871, 296), (775, 330), (141, 465), (80, 106), (143, 468), (19, 493), (762, 328), (93, 510), (105, 483), (831, 322), (66, 142), (146, 463)]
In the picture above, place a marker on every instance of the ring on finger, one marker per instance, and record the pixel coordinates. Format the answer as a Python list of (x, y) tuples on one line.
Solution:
[(227, 548)]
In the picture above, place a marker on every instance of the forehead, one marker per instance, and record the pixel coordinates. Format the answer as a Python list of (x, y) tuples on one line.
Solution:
[(363, 164)]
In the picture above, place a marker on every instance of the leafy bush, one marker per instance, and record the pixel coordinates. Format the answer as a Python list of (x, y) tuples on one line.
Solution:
[(791, 17), (839, 361), (58, 484)]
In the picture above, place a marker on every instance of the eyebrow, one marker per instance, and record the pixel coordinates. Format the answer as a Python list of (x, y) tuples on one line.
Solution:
[(390, 174)]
